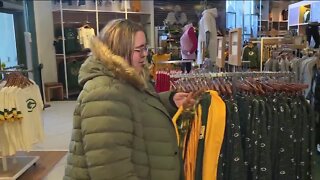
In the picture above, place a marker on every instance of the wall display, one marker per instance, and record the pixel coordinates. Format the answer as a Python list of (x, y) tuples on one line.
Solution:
[(303, 13), (220, 61), (235, 45), (76, 22)]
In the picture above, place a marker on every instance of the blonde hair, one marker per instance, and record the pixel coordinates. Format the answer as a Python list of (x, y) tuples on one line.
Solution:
[(119, 35)]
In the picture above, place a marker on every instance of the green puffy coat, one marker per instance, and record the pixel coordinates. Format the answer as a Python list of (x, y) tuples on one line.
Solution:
[(122, 129)]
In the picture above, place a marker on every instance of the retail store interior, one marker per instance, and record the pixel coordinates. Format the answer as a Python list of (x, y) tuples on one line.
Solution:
[(261, 57)]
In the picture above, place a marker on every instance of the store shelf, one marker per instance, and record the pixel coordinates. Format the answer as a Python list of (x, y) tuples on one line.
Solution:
[(143, 13), (101, 11), (97, 15)]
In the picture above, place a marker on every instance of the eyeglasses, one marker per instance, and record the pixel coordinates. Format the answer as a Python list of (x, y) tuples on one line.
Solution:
[(142, 49)]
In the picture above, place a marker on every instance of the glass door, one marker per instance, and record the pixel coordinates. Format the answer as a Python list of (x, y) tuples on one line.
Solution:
[(8, 48)]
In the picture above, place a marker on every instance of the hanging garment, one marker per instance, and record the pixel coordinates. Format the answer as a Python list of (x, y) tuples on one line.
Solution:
[(251, 54), (22, 125), (188, 43), (284, 168), (162, 83), (284, 14), (306, 16), (306, 70), (204, 104), (213, 131), (125, 5), (71, 40), (191, 150), (136, 5), (317, 105), (231, 159), (214, 134), (272, 65), (85, 36), (161, 57)]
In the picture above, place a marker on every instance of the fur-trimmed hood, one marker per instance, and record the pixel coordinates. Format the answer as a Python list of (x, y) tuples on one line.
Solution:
[(104, 63)]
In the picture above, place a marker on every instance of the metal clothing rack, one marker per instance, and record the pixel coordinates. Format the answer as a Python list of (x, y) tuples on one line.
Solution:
[(175, 62), (14, 166), (230, 74), (12, 71)]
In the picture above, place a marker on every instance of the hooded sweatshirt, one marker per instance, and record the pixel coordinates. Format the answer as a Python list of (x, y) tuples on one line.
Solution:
[(188, 42), (208, 24)]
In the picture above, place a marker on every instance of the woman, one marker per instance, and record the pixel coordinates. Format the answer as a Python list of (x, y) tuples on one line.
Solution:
[(122, 129)]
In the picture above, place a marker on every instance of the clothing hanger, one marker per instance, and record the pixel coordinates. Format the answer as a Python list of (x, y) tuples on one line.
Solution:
[(87, 26), (18, 80)]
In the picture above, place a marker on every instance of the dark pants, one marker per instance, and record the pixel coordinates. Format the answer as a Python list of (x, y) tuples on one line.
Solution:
[(313, 31), (186, 66)]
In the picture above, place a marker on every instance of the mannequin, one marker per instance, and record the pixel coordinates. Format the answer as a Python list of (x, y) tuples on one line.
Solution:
[(306, 16), (176, 17), (251, 53), (188, 44), (207, 38)]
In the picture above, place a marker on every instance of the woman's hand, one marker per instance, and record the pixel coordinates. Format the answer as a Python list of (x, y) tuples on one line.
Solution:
[(179, 98), (187, 100)]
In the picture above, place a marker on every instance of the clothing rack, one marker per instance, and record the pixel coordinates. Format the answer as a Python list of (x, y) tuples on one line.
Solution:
[(15, 67), (175, 62), (14, 166), (12, 71), (230, 74)]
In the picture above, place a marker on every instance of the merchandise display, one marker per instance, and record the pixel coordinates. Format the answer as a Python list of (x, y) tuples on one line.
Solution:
[(21, 124), (249, 146), (207, 38), (306, 16), (251, 53), (79, 21), (71, 37), (188, 46)]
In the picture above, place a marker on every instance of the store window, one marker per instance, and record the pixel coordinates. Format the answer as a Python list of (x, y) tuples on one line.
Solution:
[(8, 49), (240, 14)]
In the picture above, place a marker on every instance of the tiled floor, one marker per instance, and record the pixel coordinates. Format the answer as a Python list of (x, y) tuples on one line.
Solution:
[(57, 127)]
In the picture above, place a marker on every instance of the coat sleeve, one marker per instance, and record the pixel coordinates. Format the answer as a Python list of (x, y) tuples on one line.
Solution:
[(107, 135), (167, 100)]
